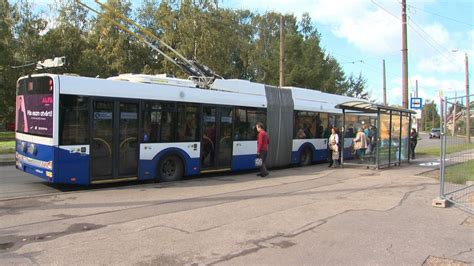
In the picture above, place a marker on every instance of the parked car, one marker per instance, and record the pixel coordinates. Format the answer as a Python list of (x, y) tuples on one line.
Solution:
[(435, 133)]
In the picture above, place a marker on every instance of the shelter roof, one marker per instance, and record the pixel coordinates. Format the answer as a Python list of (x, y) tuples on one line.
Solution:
[(368, 107)]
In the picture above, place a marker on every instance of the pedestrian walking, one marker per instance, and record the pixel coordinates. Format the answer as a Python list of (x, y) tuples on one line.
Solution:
[(262, 148), (333, 144), (413, 142)]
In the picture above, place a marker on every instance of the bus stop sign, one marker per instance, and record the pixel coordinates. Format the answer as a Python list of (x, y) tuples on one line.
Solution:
[(416, 103)]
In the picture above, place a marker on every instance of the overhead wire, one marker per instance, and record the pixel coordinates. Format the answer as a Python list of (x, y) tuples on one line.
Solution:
[(444, 54), (417, 32), (441, 16)]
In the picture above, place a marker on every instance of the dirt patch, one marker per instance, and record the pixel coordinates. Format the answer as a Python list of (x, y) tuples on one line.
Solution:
[(469, 221), (436, 261), (433, 174)]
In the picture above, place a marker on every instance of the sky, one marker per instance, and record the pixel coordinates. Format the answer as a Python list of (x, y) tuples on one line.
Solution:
[(362, 33)]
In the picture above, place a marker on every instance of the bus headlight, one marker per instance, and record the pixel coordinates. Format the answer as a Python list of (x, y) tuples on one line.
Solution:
[(21, 146), (32, 149)]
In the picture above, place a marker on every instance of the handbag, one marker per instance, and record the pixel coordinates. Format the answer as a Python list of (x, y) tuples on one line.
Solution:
[(258, 162)]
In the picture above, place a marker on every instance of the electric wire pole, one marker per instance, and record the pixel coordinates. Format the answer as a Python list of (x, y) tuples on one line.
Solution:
[(404, 56), (384, 84), (282, 52)]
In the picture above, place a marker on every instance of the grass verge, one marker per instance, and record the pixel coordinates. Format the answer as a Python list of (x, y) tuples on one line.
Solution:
[(434, 150), (7, 135), (7, 147), (460, 173), (456, 174), (7, 142)]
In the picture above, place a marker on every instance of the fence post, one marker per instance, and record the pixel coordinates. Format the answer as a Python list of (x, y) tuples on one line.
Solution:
[(378, 144), (443, 106)]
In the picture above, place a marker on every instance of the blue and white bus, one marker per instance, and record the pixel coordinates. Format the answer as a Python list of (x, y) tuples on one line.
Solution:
[(80, 130)]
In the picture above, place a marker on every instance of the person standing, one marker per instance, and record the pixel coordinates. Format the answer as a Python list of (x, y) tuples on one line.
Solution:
[(334, 147), (360, 144), (413, 142), (262, 148)]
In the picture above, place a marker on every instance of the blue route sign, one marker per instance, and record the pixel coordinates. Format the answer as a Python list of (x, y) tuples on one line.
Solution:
[(416, 103)]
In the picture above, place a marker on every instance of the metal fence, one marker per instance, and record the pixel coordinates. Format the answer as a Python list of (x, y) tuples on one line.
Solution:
[(457, 153)]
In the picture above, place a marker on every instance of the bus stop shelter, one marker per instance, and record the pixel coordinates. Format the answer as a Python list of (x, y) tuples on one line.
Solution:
[(387, 129)]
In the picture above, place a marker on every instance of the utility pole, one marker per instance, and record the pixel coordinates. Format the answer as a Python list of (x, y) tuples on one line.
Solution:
[(433, 110), (416, 89), (468, 109), (404, 55), (384, 84), (421, 111), (282, 52)]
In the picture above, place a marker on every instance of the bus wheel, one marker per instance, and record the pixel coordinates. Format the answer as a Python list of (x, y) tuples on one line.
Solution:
[(305, 157), (170, 168)]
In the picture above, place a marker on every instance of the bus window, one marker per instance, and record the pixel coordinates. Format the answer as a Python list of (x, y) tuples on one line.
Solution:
[(305, 125), (322, 123), (168, 122), (245, 120), (159, 122), (73, 120), (151, 122), (188, 121)]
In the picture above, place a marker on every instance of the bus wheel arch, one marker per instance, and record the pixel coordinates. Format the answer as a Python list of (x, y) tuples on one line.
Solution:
[(306, 155), (170, 167)]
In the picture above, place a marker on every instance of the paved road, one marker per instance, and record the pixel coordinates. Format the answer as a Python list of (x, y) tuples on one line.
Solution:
[(307, 215), (14, 183)]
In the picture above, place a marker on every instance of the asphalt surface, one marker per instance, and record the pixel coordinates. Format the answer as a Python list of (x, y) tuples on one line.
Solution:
[(299, 216)]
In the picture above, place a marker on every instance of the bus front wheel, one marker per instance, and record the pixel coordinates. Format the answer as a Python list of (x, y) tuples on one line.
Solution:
[(170, 168)]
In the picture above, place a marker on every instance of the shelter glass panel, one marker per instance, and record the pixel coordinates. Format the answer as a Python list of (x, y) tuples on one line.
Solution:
[(405, 137), (384, 140), (396, 126)]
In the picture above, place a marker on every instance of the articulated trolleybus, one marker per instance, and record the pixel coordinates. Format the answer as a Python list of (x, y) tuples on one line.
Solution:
[(80, 130)]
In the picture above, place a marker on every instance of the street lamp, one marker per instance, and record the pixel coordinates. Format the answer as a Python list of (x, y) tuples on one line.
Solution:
[(468, 109)]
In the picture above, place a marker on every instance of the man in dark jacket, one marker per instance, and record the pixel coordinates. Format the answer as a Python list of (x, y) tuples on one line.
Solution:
[(262, 148)]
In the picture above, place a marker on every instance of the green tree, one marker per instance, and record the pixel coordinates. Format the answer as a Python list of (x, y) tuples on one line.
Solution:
[(355, 87), (68, 36), (7, 76)]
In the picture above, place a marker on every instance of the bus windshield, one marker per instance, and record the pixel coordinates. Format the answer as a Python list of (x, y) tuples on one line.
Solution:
[(34, 106)]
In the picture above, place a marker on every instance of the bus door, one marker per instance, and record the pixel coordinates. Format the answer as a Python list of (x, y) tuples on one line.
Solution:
[(216, 142), (114, 147)]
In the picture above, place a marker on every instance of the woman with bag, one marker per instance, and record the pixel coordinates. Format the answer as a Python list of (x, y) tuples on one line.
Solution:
[(334, 147), (360, 144)]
